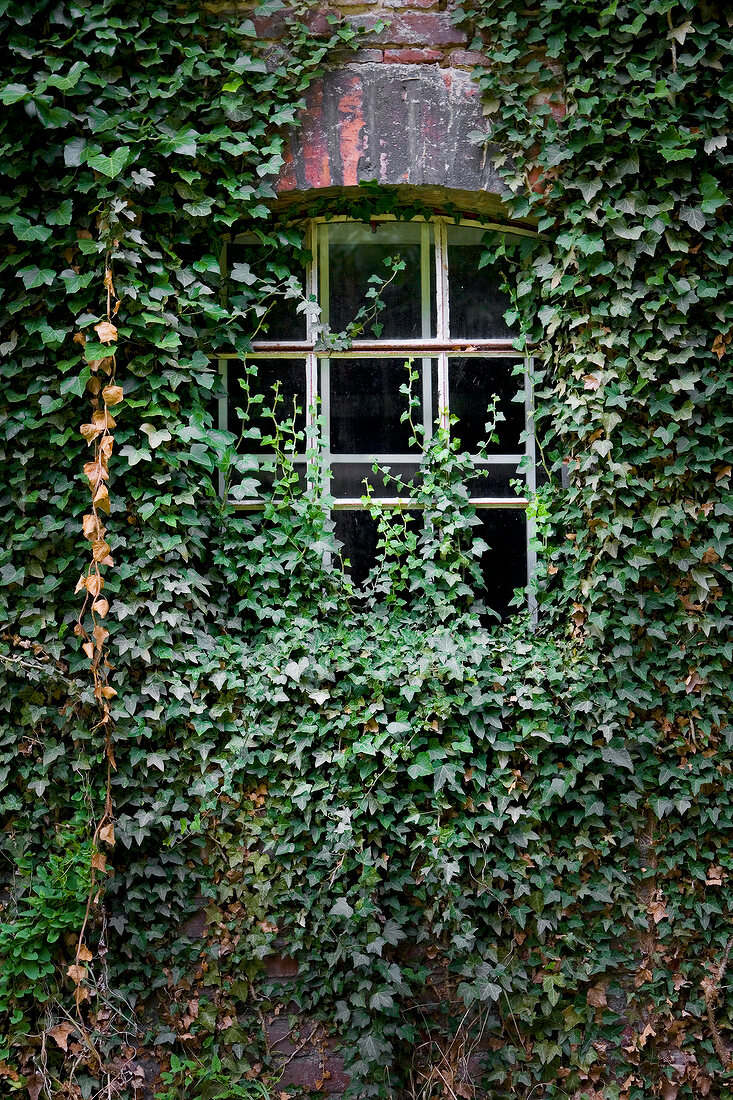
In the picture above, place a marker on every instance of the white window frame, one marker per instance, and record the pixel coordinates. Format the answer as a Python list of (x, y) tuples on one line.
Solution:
[(439, 348)]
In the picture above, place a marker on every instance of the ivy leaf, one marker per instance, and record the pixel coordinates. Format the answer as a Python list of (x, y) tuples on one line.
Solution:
[(72, 78), (199, 209), (36, 276), (693, 216), (14, 93), (182, 143), (74, 152), (341, 909), (24, 230), (156, 436), (619, 756), (113, 164)]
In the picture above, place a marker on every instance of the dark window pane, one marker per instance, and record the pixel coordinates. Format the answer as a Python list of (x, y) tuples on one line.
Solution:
[(274, 385), (347, 479), (366, 406), (476, 304), (356, 252), (282, 321), (504, 564), (472, 384), (494, 481), (358, 533)]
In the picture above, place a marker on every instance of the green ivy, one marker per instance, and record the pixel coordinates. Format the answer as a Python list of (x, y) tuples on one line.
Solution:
[(500, 857)]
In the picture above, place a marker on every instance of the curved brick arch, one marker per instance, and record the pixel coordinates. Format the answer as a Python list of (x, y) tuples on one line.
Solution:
[(395, 124)]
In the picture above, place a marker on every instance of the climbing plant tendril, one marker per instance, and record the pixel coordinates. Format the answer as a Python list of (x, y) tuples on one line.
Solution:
[(499, 858)]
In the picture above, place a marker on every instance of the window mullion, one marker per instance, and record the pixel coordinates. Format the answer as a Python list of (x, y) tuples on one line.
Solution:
[(426, 312), (530, 447), (443, 326), (323, 365)]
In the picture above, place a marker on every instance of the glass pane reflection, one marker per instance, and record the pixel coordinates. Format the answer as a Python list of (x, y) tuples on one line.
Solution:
[(476, 304), (357, 251)]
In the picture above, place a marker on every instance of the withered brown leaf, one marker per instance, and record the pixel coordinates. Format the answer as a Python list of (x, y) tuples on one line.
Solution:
[(100, 549), (106, 331), (91, 527), (101, 498), (103, 420), (60, 1034), (90, 432), (113, 394)]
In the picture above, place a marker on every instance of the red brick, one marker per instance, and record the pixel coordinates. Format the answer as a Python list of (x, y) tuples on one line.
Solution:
[(412, 56), (273, 26), (412, 28), (467, 59), (411, 3), (270, 26)]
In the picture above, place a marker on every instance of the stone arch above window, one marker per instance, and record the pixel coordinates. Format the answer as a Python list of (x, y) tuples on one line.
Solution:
[(395, 125)]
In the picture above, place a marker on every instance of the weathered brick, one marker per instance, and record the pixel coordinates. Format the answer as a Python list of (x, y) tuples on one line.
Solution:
[(391, 122), (411, 3), (412, 55), (313, 1070), (412, 28), (467, 59), (270, 26), (273, 26), (363, 56)]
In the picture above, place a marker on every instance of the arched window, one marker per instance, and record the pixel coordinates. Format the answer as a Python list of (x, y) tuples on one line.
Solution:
[(443, 311)]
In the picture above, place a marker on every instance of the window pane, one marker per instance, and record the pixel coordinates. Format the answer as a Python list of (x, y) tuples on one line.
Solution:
[(347, 479), (281, 321), (475, 302), (359, 532), (472, 383), (504, 564), (357, 251), (366, 406), (494, 480), (273, 385)]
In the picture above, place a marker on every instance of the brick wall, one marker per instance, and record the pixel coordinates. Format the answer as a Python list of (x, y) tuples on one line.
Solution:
[(397, 110)]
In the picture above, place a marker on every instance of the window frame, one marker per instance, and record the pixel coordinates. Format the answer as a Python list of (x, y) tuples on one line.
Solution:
[(439, 349)]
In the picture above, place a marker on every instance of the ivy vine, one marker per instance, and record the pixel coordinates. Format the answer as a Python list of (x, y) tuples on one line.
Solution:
[(500, 858)]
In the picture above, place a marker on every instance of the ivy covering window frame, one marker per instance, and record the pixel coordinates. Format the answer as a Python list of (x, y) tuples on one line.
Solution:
[(434, 350)]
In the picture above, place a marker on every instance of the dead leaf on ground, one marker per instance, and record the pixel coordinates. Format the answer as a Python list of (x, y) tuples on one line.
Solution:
[(60, 1034)]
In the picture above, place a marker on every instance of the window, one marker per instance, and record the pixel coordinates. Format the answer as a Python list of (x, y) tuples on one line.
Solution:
[(443, 311)]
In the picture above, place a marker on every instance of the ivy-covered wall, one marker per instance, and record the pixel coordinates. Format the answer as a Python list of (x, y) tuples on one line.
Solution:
[(264, 834)]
